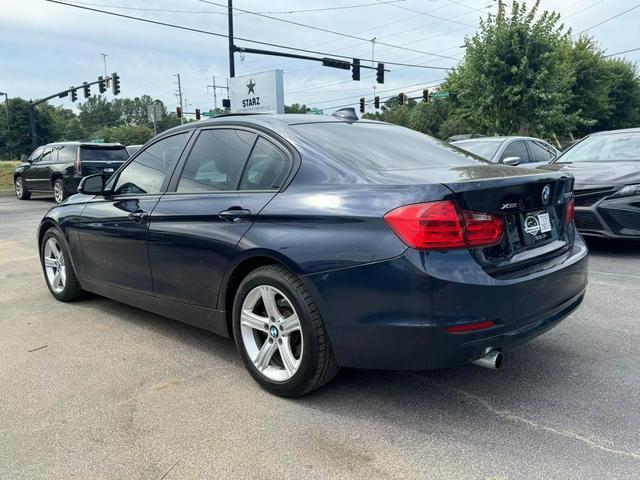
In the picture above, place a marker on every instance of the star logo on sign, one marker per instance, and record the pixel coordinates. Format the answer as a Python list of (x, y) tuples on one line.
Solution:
[(250, 86)]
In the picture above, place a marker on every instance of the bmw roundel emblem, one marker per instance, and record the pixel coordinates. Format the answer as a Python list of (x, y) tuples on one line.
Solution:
[(274, 332), (546, 194)]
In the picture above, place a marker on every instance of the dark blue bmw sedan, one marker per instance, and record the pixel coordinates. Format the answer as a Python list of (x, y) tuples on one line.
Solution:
[(320, 242)]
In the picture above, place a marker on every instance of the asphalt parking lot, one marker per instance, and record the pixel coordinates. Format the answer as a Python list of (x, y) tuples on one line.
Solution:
[(97, 389)]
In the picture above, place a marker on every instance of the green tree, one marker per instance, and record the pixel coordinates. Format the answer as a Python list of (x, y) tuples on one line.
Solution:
[(516, 76), (623, 95), (126, 134), (296, 108), (428, 117)]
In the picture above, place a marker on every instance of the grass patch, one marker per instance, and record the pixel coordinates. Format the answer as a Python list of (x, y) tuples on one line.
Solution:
[(6, 174)]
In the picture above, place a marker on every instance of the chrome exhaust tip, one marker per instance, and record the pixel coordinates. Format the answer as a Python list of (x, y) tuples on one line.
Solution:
[(491, 359)]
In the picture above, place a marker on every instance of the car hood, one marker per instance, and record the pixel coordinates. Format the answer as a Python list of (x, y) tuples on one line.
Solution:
[(599, 173)]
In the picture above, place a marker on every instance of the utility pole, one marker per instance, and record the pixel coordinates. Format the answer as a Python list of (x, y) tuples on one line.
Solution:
[(6, 104), (215, 96), (232, 66), (373, 49), (180, 97)]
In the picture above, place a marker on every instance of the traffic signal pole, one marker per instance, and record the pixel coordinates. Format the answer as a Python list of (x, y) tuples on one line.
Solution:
[(232, 48)]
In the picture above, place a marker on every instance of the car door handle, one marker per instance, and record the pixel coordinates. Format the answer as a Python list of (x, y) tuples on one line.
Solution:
[(234, 214), (139, 216)]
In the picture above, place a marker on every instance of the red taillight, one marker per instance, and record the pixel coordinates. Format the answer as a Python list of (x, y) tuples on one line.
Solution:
[(78, 163), (570, 212), (440, 225), (470, 327)]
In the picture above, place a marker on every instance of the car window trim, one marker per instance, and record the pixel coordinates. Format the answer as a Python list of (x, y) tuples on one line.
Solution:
[(113, 180), (282, 145), (526, 148)]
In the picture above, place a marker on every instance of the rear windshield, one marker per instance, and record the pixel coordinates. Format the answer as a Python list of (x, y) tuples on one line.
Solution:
[(483, 148), (379, 146), (613, 147), (103, 154)]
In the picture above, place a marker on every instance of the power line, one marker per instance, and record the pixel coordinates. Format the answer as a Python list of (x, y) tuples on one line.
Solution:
[(620, 53), (223, 35), (608, 19), (333, 32), (326, 9), (425, 13)]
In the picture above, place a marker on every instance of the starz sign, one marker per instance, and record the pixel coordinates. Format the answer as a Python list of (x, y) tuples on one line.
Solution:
[(258, 92)]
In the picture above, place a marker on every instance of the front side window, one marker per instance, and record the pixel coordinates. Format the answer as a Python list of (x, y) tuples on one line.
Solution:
[(47, 155), (148, 171), (35, 156), (516, 149), (216, 161), (267, 168)]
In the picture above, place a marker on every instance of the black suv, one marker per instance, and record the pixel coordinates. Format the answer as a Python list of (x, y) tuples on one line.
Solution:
[(58, 167)]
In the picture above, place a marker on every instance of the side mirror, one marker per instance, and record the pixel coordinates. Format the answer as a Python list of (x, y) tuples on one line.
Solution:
[(92, 184), (511, 161)]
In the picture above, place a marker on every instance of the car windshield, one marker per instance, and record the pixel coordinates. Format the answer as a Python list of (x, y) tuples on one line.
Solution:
[(605, 148), (483, 148), (109, 154), (379, 146)]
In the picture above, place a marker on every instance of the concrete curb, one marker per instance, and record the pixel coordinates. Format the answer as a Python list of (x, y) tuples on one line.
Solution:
[(7, 193)]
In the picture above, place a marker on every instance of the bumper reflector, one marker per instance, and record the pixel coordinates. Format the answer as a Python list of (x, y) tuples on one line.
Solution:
[(470, 327)]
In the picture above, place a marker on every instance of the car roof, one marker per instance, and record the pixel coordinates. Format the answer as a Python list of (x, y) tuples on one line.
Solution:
[(622, 130), (497, 139), (92, 144)]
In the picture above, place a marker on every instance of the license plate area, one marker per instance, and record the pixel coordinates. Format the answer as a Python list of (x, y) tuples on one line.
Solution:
[(536, 226)]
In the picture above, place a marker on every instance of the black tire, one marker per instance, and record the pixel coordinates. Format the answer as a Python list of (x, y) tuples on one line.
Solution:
[(72, 290), (21, 189), (59, 190), (317, 364)]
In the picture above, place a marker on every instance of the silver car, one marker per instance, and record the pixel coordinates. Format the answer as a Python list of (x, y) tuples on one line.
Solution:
[(510, 150)]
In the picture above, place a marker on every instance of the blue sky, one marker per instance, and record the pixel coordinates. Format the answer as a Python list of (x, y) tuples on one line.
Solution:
[(47, 47)]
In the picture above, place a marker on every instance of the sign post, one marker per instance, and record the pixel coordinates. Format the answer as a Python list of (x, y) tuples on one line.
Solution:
[(257, 93)]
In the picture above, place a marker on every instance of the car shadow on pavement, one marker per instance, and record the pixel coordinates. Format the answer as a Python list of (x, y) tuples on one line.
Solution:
[(615, 247)]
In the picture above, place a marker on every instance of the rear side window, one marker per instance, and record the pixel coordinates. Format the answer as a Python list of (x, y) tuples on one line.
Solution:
[(516, 149), (67, 154), (103, 154), (267, 168), (539, 153), (373, 146), (148, 171), (216, 161)]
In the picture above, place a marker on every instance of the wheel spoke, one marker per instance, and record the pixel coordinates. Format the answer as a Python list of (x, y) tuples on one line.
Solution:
[(264, 355), (55, 249), (288, 360), (63, 276), (290, 324), (254, 321), (56, 280), (269, 300), (50, 262)]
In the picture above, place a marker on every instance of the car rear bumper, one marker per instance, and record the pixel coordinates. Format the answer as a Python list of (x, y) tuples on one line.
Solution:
[(394, 314), (612, 218)]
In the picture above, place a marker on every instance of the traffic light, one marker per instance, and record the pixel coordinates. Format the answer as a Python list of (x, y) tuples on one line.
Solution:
[(401, 99), (102, 85), (356, 69), (74, 95), (86, 89), (179, 112), (380, 73), (361, 104), (376, 102), (115, 82), (197, 114), (425, 95)]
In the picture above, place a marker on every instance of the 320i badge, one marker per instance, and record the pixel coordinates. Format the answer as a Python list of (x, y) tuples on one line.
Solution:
[(318, 242)]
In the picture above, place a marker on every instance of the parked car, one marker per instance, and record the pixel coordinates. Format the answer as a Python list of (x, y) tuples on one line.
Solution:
[(131, 149), (58, 167), (510, 150), (319, 242), (606, 167)]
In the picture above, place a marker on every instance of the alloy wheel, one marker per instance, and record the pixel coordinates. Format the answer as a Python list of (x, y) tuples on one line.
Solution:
[(58, 191), (19, 186), (54, 264), (271, 333)]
